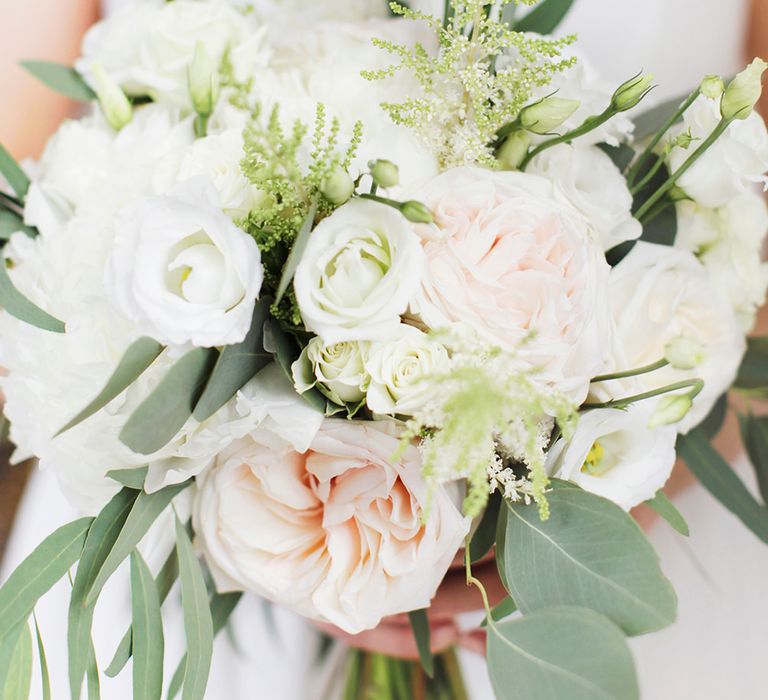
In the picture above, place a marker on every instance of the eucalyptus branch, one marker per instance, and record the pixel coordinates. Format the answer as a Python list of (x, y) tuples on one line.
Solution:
[(696, 386), (632, 372)]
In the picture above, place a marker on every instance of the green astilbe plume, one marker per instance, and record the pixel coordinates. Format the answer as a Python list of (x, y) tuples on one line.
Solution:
[(483, 74)]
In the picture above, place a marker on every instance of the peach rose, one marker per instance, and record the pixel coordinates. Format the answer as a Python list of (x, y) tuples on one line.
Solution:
[(508, 259), (335, 533)]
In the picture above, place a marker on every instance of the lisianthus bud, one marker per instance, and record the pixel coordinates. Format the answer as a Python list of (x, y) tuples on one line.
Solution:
[(384, 173), (744, 91), (203, 78), (115, 105), (338, 186), (546, 115), (712, 86), (513, 151), (684, 352), (671, 409), (630, 93), (416, 212)]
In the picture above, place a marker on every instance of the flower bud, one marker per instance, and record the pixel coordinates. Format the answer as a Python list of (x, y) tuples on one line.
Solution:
[(514, 150), (546, 115), (744, 91), (671, 409), (416, 212), (384, 173), (630, 93), (684, 352), (115, 105), (712, 86), (338, 186), (203, 76)]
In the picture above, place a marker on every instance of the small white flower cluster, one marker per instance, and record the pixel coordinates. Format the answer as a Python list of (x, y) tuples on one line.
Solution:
[(508, 484)]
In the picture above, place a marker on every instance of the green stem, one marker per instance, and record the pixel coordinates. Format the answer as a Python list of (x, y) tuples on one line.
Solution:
[(458, 690), (651, 215), (382, 200), (696, 386), (201, 125), (632, 372), (649, 176)]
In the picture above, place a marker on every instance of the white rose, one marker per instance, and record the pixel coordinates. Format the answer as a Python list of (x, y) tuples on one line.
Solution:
[(616, 455), (657, 294), (360, 269), (737, 160), (398, 369), (338, 370), (519, 266), (339, 533), (729, 242), (183, 271), (595, 186)]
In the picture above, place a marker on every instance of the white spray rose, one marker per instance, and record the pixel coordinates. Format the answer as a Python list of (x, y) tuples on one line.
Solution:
[(337, 370), (595, 186), (338, 533), (737, 160), (399, 368), (360, 269), (183, 271), (616, 455)]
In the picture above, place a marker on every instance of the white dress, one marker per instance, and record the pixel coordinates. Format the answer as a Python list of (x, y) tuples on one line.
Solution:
[(716, 649)]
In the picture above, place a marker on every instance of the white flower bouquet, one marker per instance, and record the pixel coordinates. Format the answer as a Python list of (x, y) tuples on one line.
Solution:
[(326, 301)]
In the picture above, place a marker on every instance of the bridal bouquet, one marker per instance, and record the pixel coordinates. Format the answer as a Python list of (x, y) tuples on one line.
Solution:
[(316, 302)]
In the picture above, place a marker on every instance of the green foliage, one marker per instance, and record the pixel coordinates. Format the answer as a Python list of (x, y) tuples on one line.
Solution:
[(665, 509), (147, 632), (420, 626), (483, 75), (754, 434), (62, 79), (16, 304), (19, 672), (13, 173), (545, 18)]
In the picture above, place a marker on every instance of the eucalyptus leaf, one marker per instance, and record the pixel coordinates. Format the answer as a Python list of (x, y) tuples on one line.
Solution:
[(753, 373), (62, 79), (297, 250), (545, 17), (715, 420), (16, 304), (11, 223), (589, 553), (148, 640), (137, 358), (37, 574), (420, 626), (485, 534), (19, 676), (236, 366), (13, 173), (93, 683), (130, 478), (559, 653), (8, 644), (198, 623), (45, 676), (504, 609), (165, 411), (717, 476), (664, 507), (754, 434)]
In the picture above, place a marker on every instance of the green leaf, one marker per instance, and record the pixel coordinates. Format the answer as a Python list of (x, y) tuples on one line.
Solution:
[(45, 677), (101, 539), (133, 364), (420, 626), (16, 304), (754, 433), (62, 79), (92, 672), (504, 609), (559, 653), (663, 506), (10, 223), (717, 476), (8, 644), (13, 173), (297, 250), (19, 676), (485, 535), (147, 632), (146, 509), (589, 553), (650, 122), (753, 373), (545, 18), (714, 421), (198, 624), (236, 366), (621, 155), (37, 574), (130, 478), (165, 411)]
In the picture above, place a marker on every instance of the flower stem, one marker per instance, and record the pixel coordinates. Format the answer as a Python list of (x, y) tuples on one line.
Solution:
[(632, 372), (696, 386), (649, 176)]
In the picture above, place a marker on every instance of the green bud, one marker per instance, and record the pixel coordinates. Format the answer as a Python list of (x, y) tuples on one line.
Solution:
[(384, 173), (203, 77), (338, 186), (683, 352), (682, 140), (671, 409), (115, 105), (416, 212), (545, 116), (712, 86), (744, 91), (629, 94), (514, 150)]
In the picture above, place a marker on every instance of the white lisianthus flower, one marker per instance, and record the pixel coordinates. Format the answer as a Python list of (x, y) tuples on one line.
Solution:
[(595, 186), (183, 271), (399, 368), (737, 160), (658, 294), (522, 268), (360, 269), (616, 455), (728, 241), (337, 370), (338, 533)]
